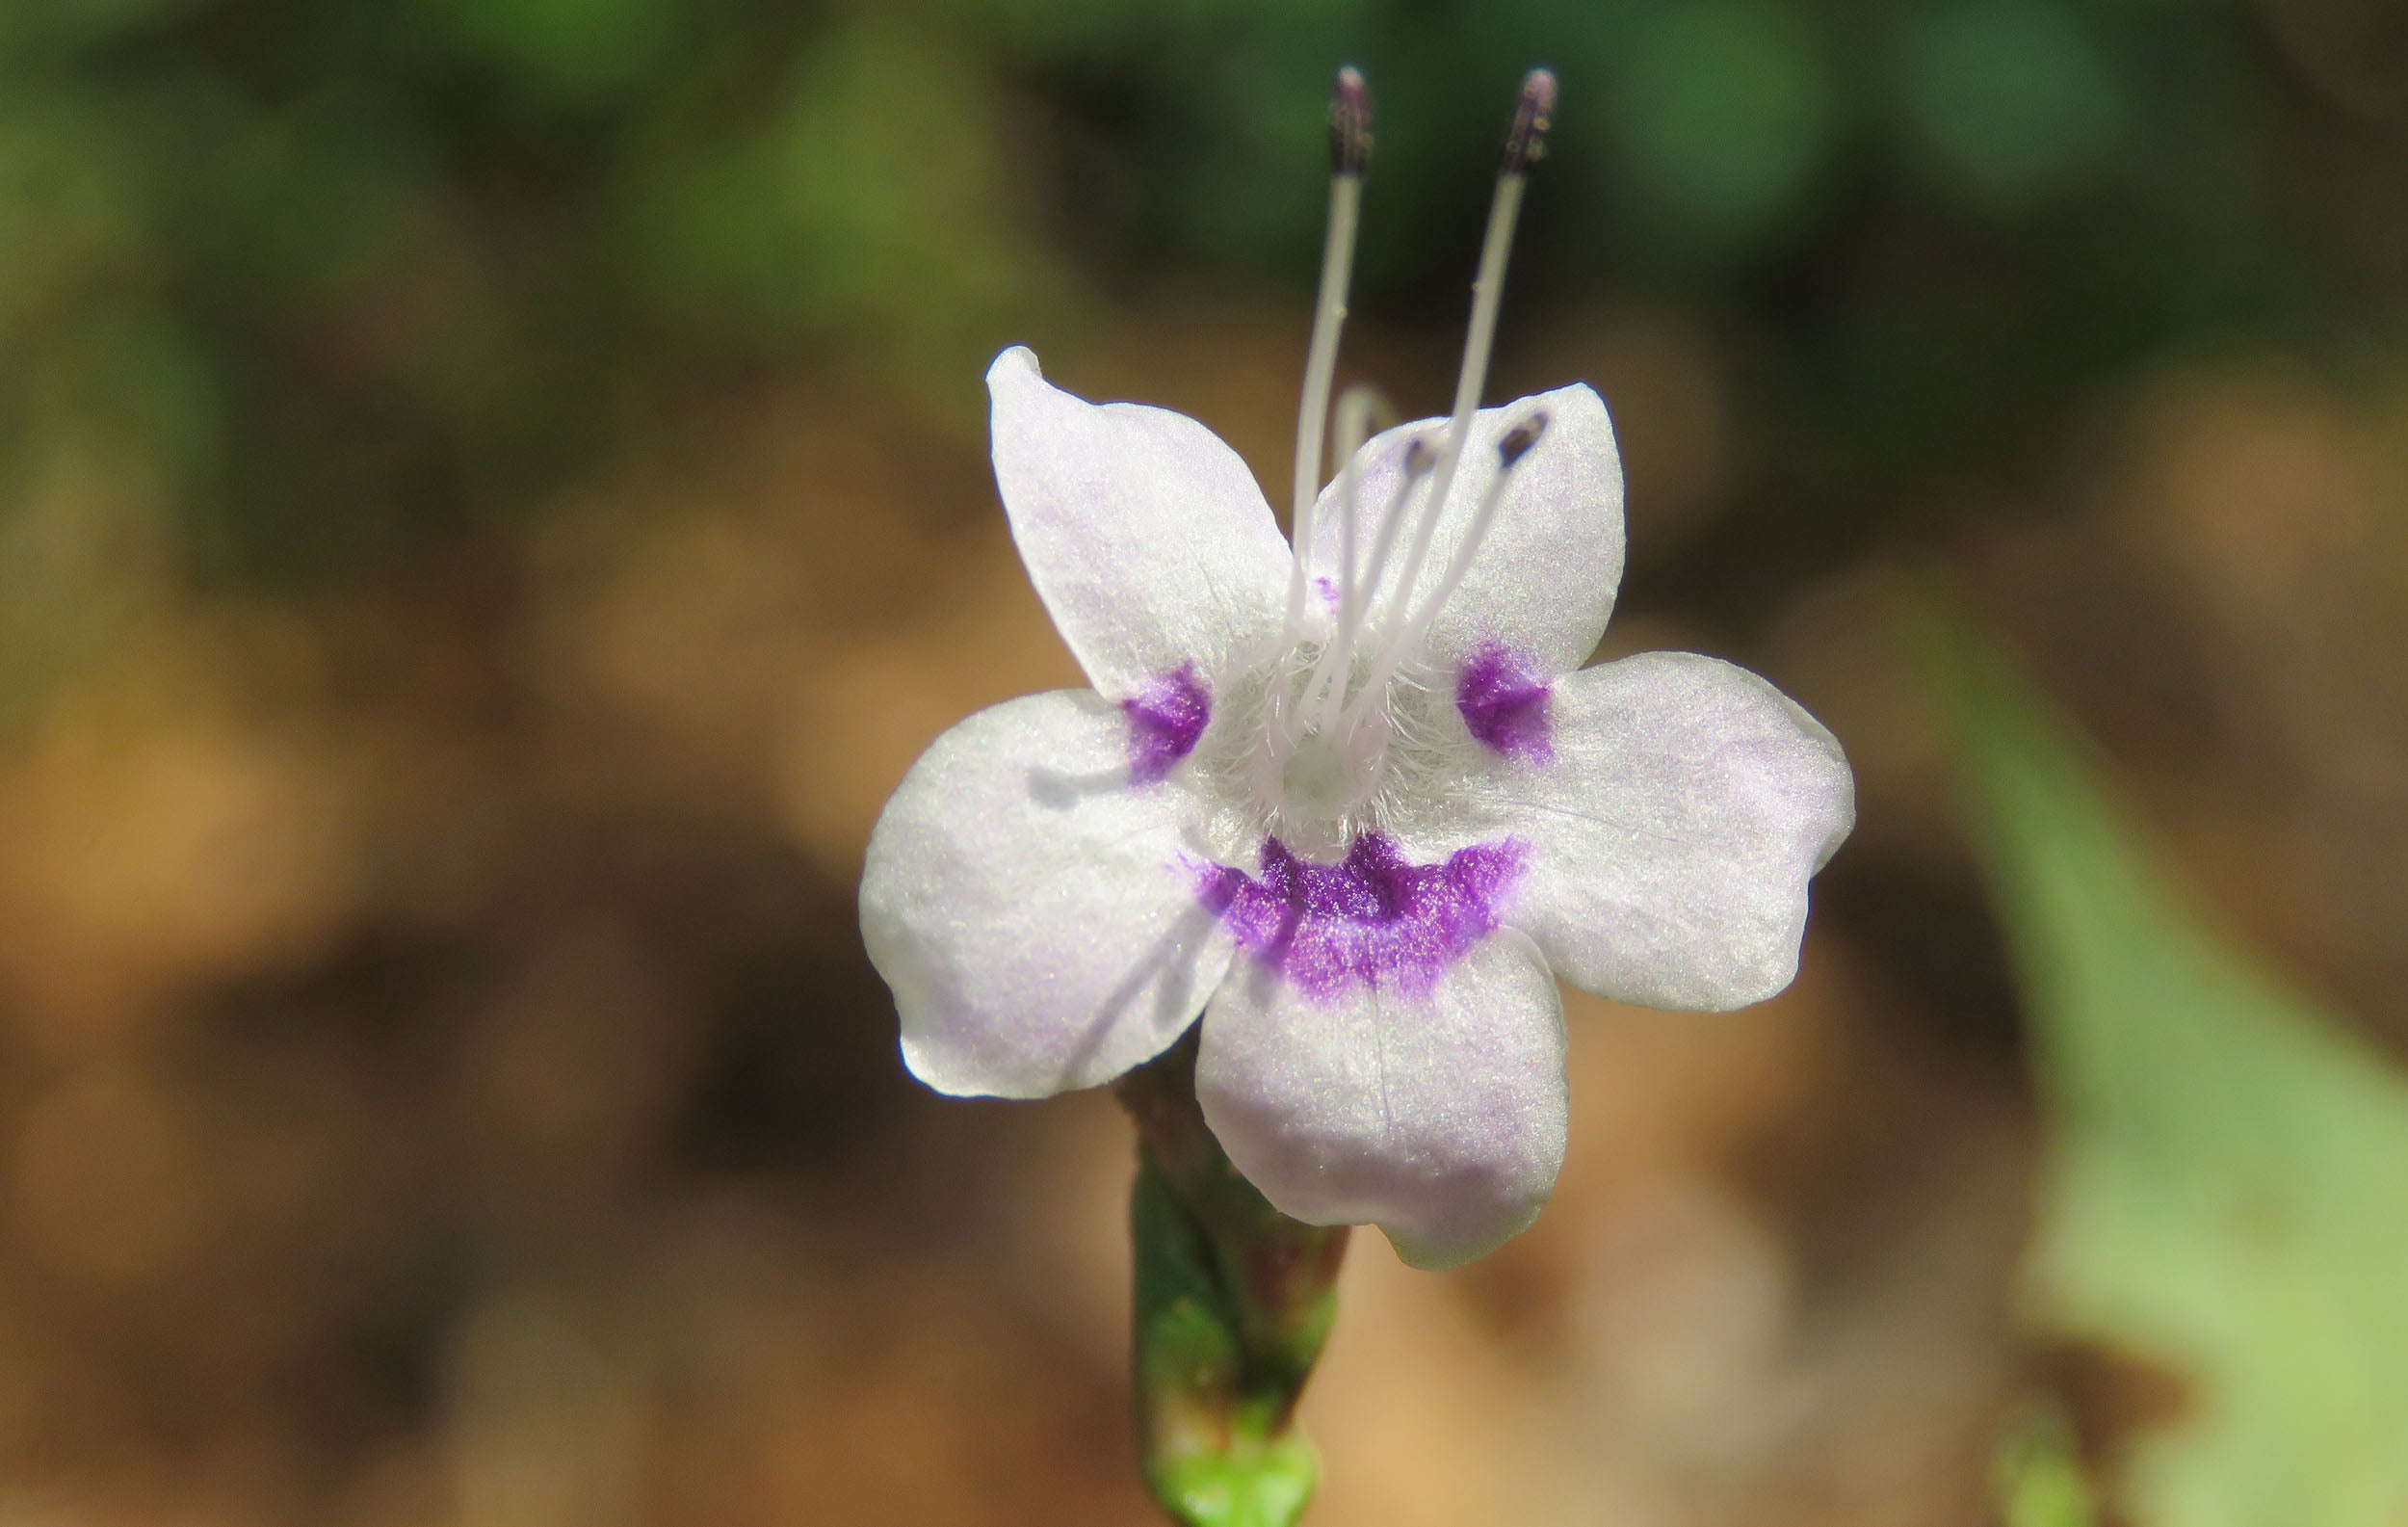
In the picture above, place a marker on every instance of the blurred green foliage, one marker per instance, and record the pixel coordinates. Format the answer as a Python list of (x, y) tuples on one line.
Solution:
[(1723, 115), (348, 278), (2010, 103), (2225, 1189), (2040, 1480)]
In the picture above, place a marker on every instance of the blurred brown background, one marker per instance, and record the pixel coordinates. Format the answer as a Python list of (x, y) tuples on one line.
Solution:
[(492, 496)]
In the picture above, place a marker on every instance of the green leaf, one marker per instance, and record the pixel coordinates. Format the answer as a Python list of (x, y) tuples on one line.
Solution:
[(2225, 1182)]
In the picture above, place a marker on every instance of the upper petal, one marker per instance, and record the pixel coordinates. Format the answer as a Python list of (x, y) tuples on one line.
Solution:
[(1145, 536), (1438, 1115), (1031, 907), (1672, 835), (1543, 579)]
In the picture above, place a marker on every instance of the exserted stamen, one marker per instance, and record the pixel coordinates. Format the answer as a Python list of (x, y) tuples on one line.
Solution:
[(1350, 150), (1534, 115)]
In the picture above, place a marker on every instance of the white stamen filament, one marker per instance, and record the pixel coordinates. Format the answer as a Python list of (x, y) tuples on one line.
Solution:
[(1356, 584), (1356, 408), (1353, 425), (1515, 445), (1488, 293), (1350, 146), (1392, 520), (1321, 365)]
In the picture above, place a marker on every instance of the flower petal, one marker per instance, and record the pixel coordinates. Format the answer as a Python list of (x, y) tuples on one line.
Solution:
[(1032, 910), (1543, 579), (1672, 837), (1440, 1117), (1146, 536)]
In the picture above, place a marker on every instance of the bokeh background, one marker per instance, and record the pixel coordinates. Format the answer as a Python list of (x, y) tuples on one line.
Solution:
[(492, 496)]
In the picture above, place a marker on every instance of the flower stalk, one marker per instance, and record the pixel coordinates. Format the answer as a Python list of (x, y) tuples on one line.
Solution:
[(1234, 1302)]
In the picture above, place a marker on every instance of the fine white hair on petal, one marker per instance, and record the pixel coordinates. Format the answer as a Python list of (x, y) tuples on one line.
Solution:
[(1439, 1116), (1672, 835), (1032, 912), (1146, 536), (1543, 579)]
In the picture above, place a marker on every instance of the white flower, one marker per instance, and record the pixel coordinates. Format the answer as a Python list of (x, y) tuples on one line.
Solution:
[(1356, 803)]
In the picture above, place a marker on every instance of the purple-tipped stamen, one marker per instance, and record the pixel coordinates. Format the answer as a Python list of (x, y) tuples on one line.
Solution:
[(1349, 123), (1525, 144)]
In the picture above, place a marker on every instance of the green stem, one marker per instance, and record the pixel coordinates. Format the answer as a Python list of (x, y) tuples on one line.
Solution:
[(1234, 1302)]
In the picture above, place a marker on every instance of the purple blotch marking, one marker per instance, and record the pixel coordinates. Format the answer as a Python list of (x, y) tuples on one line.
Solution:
[(1166, 718), (1505, 703), (1372, 920), (1327, 590)]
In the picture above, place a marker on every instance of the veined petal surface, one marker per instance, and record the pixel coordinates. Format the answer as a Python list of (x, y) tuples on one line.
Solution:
[(1686, 806), (1543, 580), (1033, 910), (1146, 536), (1438, 1115)]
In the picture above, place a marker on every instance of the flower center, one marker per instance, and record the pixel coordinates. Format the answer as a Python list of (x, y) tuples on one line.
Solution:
[(1325, 778), (1316, 768)]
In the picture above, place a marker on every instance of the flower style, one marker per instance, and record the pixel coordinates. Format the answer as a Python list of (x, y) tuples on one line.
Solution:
[(1354, 801)]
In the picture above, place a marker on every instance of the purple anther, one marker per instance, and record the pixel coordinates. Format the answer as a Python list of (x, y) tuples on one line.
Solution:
[(1532, 114), (1349, 123)]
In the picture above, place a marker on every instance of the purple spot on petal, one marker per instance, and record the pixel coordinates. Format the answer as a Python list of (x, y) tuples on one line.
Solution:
[(1372, 920), (1166, 718), (1505, 704), (1329, 591)]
